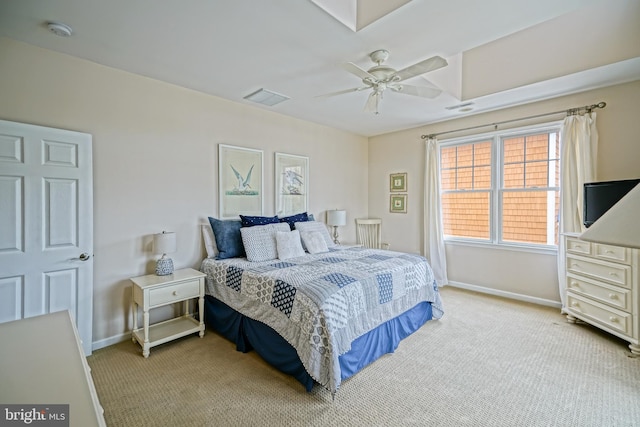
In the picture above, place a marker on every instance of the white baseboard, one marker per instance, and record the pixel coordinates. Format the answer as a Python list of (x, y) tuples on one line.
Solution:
[(506, 294), (97, 345)]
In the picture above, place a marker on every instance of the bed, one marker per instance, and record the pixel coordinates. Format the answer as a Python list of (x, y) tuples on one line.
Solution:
[(322, 316)]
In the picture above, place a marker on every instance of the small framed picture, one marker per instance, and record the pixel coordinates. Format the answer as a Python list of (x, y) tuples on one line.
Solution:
[(398, 182), (398, 203)]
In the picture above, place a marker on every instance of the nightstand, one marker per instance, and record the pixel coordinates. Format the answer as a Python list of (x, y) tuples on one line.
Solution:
[(152, 291)]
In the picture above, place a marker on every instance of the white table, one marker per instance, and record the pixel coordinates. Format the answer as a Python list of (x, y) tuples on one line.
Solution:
[(152, 291)]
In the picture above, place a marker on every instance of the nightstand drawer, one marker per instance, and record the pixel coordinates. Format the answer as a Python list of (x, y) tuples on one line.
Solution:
[(617, 274), (174, 292), (611, 318), (614, 296)]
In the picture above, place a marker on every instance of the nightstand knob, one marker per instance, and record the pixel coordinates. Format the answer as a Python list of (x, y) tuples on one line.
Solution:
[(613, 296), (175, 293), (611, 273), (613, 319), (575, 284), (575, 303)]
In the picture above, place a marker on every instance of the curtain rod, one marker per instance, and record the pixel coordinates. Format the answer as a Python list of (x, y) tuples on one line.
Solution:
[(570, 111)]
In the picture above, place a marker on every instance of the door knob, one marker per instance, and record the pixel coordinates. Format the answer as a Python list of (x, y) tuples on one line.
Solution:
[(84, 256)]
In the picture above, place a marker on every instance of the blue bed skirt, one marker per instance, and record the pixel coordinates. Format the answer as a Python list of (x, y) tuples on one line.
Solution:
[(249, 334)]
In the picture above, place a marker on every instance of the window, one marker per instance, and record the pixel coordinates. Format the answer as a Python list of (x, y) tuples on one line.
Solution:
[(502, 188)]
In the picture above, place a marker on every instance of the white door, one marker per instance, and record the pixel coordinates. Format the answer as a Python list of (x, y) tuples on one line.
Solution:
[(46, 224)]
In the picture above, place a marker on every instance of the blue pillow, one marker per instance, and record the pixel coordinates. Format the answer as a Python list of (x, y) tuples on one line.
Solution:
[(311, 218), (291, 220), (250, 221), (228, 238)]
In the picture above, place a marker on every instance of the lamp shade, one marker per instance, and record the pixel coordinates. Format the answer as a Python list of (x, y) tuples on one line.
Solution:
[(164, 243), (620, 225), (337, 217)]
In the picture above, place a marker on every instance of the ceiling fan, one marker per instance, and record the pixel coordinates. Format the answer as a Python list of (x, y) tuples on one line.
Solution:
[(381, 77)]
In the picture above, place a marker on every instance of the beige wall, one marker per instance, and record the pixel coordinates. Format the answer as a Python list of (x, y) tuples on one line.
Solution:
[(155, 161), (507, 272)]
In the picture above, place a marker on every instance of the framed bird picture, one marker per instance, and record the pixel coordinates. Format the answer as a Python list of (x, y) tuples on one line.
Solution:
[(240, 183), (291, 184)]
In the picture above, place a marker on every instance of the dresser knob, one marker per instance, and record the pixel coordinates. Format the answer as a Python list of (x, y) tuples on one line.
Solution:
[(575, 304), (611, 273), (613, 296), (175, 293), (608, 251), (613, 319), (575, 284)]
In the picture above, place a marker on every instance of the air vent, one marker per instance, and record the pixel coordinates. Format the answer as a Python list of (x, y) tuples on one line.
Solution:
[(266, 97), (460, 106)]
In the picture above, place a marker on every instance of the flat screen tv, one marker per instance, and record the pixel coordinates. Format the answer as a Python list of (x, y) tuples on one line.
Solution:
[(600, 196)]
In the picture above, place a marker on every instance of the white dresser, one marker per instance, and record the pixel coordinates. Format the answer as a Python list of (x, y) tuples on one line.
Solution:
[(42, 363), (603, 288)]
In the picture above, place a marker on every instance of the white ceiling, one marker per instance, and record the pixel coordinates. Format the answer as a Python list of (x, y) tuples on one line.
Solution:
[(232, 48)]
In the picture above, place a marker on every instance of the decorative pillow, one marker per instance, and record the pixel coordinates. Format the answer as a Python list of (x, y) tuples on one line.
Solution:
[(228, 238), (288, 244), (316, 226), (311, 218), (314, 242), (260, 241), (292, 219), (209, 240), (250, 221)]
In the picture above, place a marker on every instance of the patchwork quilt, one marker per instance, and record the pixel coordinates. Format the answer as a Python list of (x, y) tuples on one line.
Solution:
[(320, 303)]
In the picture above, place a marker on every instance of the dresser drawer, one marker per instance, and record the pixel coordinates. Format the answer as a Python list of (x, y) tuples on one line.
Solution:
[(174, 292), (617, 274), (611, 318), (577, 246), (612, 253), (614, 296)]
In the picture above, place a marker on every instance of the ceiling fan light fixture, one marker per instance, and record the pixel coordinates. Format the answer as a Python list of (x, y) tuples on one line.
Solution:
[(266, 97), (60, 29)]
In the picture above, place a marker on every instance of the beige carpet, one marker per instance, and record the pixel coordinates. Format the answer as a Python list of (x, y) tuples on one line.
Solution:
[(487, 362)]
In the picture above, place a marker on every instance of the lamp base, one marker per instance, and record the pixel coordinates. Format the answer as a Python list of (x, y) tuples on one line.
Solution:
[(164, 266), (335, 235)]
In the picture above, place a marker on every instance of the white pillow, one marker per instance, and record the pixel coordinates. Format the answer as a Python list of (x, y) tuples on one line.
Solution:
[(260, 241), (310, 226), (288, 244), (209, 241), (314, 242)]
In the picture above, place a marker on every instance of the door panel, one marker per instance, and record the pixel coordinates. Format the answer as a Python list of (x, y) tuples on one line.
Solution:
[(60, 218), (11, 289), (47, 222), (11, 214)]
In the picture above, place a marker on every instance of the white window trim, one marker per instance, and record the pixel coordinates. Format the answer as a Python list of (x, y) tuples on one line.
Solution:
[(495, 209)]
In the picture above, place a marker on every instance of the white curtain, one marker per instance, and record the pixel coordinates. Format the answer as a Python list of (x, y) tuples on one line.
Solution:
[(579, 142), (433, 230)]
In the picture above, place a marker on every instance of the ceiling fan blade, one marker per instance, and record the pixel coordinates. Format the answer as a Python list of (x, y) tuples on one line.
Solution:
[(354, 69), (421, 67), (340, 92), (422, 91), (372, 103)]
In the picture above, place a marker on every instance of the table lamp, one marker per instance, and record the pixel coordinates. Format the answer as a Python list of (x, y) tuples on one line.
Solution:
[(164, 243), (336, 218)]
